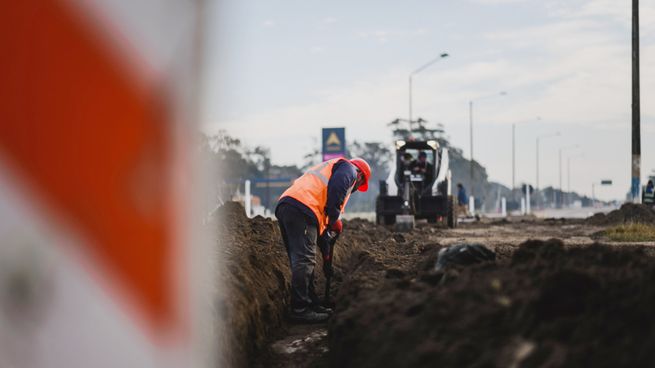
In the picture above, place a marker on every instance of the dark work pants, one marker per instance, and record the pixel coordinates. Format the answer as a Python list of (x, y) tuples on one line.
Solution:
[(299, 235)]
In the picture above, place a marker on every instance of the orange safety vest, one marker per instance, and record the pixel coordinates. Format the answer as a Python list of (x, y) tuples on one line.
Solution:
[(311, 190)]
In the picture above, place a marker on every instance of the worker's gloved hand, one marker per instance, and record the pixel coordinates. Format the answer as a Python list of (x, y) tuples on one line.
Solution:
[(336, 226)]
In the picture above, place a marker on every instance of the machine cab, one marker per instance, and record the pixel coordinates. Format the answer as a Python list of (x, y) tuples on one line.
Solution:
[(416, 162)]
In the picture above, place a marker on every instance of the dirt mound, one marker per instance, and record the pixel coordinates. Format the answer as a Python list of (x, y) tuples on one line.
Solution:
[(254, 279), (254, 284), (545, 305), (628, 213)]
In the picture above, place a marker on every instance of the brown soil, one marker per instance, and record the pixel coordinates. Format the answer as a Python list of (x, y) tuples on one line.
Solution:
[(628, 213), (253, 289), (252, 299), (546, 303)]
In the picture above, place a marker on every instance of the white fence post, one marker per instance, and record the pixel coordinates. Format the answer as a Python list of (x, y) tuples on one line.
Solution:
[(527, 199), (247, 199)]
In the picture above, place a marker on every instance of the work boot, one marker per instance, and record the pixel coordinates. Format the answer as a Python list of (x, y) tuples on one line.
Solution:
[(321, 309), (307, 315)]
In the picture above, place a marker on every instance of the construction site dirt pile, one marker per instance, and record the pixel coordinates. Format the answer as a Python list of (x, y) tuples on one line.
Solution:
[(543, 305), (254, 279), (253, 284), (628, 213)]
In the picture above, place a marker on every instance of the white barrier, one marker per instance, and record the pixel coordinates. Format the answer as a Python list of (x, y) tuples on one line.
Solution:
[(247, 199)]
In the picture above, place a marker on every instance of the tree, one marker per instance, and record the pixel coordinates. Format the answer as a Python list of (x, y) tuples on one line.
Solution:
[(233, 162), (379, 156)]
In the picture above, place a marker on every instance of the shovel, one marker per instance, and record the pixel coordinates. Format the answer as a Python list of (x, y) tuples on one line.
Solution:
[(326, 244)]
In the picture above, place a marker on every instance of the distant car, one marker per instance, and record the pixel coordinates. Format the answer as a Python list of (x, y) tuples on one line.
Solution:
[(420, 195)]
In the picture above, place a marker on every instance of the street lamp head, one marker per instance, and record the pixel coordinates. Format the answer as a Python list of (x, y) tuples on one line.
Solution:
[(444, 55)]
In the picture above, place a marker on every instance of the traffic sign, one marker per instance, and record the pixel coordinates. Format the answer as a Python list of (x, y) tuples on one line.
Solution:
[(334, 143)]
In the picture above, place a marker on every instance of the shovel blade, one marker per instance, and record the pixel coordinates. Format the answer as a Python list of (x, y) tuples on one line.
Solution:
[(404, 223)]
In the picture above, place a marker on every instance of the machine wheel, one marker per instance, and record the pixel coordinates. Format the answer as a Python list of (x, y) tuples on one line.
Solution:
[(451, 217)]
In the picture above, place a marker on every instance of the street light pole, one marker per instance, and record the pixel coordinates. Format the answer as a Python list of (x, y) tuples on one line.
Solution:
[(537, 165), (538, 139), (471, 136), (513, 157), (537, 188), (568, 178), (501, 93), (410, 102), (568, 181), (425, 66), (514, 153), (559, 197)]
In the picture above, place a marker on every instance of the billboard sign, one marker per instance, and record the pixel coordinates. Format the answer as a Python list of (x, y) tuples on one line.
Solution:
[(334, 143)]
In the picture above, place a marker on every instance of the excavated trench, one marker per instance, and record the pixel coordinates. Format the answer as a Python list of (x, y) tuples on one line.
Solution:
[(542, 303)]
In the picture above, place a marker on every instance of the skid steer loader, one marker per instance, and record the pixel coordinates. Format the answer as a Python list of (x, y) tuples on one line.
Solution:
[(409, 194)]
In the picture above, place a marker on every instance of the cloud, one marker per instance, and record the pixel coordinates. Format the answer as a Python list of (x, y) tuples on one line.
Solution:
[(329, 20), (317, 50), (383, 36), (496, 2)]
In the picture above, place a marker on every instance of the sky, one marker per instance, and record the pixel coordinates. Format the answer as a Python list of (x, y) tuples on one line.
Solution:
[(276, 72)]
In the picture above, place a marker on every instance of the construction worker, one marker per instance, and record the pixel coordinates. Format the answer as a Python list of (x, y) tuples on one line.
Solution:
[(648, 195), (423, 167), (462, 200), (308, 209)]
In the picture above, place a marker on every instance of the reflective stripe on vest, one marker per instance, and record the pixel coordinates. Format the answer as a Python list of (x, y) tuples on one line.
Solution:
[(317, 172), (649, 198), (311, 190)]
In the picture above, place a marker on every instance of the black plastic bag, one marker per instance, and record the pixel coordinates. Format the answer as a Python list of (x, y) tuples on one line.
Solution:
[(463, 255)]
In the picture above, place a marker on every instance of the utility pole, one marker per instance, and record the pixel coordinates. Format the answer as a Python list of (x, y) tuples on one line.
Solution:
[(568, 181), (537, 188), (636, 113)]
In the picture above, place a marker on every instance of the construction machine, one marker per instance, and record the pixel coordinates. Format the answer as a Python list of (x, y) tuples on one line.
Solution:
[(413, 192)]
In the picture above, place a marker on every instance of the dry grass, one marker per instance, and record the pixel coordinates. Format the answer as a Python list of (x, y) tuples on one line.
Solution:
[(631, 233)]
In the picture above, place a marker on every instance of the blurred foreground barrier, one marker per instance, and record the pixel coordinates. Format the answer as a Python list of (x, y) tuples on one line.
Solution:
[(95, 113)]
